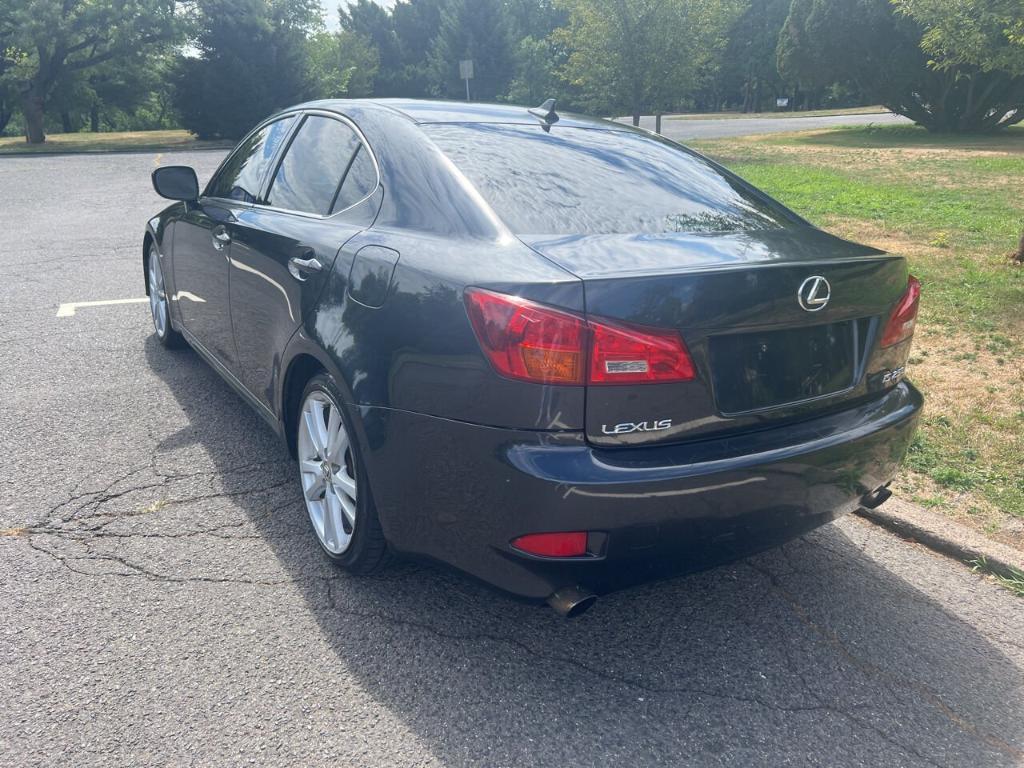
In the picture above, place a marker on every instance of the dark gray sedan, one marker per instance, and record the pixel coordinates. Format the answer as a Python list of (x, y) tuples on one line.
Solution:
[(558, 353)]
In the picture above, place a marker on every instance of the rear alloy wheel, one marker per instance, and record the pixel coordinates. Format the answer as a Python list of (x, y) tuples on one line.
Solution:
[(158, 304), (334, 485)]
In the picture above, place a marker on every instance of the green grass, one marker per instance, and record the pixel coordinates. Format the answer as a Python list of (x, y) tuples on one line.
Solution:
[(957, 219), (955, 207), (907, 136), (1013, 581), (107, 142)]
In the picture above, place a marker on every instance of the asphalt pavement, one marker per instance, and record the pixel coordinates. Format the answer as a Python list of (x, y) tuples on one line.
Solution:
[(682, 129), (162, 601)]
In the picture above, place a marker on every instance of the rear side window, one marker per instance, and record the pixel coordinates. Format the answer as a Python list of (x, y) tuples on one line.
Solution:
[(314, 175), (360, 180), (586, 181), (242, 174)]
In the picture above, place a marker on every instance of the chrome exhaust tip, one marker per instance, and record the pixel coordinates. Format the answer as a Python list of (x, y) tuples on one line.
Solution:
[(876, 498), (570, 602)]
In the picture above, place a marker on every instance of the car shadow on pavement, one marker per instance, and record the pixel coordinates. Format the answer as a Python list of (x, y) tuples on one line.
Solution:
[(846, 647)]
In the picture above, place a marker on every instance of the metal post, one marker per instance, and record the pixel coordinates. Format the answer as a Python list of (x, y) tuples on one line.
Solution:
[(657, 122), (467, 89)]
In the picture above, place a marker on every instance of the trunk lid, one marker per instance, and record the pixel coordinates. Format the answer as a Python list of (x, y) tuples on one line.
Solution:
[(761, 357)]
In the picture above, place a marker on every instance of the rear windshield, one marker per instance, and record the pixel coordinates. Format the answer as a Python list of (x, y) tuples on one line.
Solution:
[(586, 181)]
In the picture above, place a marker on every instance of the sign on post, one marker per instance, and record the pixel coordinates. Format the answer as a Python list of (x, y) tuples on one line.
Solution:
[(466, 73)]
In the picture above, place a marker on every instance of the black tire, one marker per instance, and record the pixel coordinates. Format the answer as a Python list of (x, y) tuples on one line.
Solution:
[(367, 552), (160, 311)]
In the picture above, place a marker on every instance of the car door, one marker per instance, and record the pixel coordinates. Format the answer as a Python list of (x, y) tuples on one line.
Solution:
[(203, 236), (324, 190)]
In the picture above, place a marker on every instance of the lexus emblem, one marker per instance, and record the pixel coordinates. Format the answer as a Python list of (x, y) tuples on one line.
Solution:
[(814, 293)]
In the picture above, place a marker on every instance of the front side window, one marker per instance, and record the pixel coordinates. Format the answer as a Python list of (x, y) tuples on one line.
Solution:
[(241, 176), (314, 175), (586, 181)]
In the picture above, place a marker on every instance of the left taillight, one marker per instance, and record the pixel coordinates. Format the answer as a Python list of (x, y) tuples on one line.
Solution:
[(903, 318), (528, 341), (532, 342)]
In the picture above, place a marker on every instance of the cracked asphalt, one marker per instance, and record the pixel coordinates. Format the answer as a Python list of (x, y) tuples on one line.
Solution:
[(162, 602)]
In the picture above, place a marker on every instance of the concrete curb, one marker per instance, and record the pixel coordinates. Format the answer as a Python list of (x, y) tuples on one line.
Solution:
[(915, 523)]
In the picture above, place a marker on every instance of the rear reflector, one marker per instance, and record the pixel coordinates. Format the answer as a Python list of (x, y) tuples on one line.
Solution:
[(566, 544), (532, 342), (904, 315)]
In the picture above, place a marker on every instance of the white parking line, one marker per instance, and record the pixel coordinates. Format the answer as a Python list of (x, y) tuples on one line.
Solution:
[(68, 310)]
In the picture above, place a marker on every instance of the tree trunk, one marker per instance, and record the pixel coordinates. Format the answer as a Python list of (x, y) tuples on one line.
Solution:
[(65, 122), (636, 115), (94, 118), (33, 110)]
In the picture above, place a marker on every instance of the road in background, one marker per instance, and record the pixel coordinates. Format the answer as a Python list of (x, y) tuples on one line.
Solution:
[(163, 601), (695, 128)]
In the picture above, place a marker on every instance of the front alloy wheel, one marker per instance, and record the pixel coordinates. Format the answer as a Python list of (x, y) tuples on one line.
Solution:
[(158, 304)]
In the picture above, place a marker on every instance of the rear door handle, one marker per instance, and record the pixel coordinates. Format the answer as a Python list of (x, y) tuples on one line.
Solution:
[(221, 237), (303, 268)]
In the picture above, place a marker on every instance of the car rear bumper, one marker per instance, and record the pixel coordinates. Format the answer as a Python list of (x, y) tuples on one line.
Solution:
[(460, 493)]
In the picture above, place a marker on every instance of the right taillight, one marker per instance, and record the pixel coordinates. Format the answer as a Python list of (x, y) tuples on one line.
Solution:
[(904, 315), (532, 342), (623, 354)]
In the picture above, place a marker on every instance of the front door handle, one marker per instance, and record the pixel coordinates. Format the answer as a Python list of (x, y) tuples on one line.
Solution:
[(303, 268), (221, 237)]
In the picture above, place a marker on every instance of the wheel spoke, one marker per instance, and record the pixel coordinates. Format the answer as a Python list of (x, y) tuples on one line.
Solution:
[(332, 521), (336, 437), (348, 507), (321, 426), (316, 490), (344, 484), (312, 429)]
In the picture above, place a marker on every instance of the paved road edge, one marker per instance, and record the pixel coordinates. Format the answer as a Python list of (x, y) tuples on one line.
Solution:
[(909, 521)]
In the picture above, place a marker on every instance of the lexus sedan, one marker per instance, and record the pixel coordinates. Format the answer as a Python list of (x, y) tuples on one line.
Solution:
[(560, 354)]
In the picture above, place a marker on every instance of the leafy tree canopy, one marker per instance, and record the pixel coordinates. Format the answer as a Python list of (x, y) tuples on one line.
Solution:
[(884, 49), (254, 58), (639, 55), (50, 40), (988, 34)]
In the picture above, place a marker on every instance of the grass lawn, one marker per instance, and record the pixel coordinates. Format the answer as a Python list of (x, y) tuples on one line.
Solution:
[(107, 142), (955, 208)]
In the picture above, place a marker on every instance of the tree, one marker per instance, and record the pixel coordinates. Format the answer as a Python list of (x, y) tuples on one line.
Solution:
[(979, 45), (988, 34), (342, 65), (416, 24), (538, 58), (538, 62), (10, 58), (373, 26), (882, 52), (639, 55), (477, 30), (57, 38), (749, 77), (254, 58)]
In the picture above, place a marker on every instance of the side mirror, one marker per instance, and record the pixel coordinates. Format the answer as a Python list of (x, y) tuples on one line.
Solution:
[(176, 182)]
